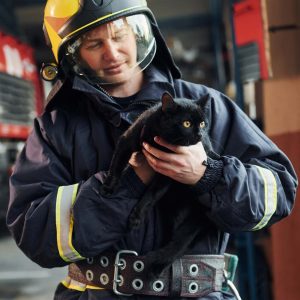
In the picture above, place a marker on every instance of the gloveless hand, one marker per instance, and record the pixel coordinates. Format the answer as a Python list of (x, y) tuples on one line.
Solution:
[(183, 165)]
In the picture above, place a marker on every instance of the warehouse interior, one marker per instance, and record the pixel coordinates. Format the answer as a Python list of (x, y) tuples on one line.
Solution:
[(247, 49)]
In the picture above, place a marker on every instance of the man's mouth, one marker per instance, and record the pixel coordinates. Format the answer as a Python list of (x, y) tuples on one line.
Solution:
[(114, 69)]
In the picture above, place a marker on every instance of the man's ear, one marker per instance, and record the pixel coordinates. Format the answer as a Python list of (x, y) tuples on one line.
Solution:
[(167, 102)]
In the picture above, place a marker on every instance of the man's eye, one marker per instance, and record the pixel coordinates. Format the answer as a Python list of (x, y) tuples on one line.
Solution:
[(120, 37), (92, 46)]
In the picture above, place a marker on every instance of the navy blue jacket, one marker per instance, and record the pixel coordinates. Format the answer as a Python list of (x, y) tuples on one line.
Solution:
[(57, 215)]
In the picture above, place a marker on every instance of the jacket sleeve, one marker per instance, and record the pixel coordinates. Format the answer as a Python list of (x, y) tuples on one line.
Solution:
[(55, 220), (256, 183)]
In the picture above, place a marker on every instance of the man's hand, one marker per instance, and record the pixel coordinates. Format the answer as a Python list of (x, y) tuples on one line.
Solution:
[(183, 165), (141, 167)]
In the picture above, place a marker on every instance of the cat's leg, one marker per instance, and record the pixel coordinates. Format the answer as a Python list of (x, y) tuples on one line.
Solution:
[(118, 163), (181, 241), (157, 188)]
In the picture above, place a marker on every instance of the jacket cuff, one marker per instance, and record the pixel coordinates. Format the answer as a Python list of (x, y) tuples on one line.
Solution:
[(211, 176), (134, 185)]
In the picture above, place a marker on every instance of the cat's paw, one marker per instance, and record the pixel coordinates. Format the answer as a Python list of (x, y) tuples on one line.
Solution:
[(106, 190), (156, 263), (133, 221), (155, 271), (135, 218), (109, 186)]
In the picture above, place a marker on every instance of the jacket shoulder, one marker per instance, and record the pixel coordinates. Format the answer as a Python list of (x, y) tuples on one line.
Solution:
[(63, 115)]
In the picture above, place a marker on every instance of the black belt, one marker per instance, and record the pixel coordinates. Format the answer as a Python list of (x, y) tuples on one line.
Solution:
[(125, 274)]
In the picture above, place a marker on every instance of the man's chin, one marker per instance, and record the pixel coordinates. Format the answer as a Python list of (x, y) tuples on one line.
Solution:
[(120, 78), (115, 81)]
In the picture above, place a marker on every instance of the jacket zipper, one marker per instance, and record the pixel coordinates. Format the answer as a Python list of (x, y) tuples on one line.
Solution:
[(104, 92)]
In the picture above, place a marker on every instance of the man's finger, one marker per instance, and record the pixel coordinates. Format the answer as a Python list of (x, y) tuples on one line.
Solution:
[(158, 165), (162, 142), (159, 154)]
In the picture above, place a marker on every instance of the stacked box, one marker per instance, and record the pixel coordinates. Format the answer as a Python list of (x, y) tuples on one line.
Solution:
[(282, 36)]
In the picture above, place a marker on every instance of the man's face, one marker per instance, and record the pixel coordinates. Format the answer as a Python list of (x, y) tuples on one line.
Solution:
[(110, 51)]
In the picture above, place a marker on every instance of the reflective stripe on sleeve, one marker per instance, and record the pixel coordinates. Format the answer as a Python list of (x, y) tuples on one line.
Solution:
[(74, 285), (78, 286), (64, 222), (270, 187)]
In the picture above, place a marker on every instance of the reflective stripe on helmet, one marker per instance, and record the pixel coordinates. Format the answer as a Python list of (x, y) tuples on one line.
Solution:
[(270, 188), (64, 222), (98, 21)]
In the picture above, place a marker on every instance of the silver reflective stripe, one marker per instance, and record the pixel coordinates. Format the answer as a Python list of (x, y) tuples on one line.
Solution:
[(270, 186), (72, 284), (66, 196)]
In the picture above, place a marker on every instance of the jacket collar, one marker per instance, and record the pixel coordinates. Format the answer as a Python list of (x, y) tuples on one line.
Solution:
[(156, 82), (152, 76)]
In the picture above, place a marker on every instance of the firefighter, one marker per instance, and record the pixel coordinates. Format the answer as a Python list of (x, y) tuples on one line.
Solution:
[(113, 64)]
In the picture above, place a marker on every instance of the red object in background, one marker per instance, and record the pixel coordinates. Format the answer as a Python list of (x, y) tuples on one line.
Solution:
[(17, 59), (249, 28)]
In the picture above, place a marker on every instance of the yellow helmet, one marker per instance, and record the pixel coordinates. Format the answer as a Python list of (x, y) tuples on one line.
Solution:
[(67, 19)]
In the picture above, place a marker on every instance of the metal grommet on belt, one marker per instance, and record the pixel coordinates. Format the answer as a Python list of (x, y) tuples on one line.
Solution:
[(138, 266), (104, 261), (90, 260), (89, 275), (158, 285), (121, 280), (183, 279), (122, 263), (137, 284), (193, 287), (104, 279), (194, 269)]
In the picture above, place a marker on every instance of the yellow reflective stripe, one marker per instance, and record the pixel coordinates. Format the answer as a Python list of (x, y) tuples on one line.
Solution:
[(70, 283), (66, 196), (270, 187)]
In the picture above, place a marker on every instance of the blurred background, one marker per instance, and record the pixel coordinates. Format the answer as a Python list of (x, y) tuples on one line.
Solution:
[(248, 49)]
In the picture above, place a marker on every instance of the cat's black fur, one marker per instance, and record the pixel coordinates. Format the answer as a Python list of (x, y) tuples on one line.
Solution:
[(167, 120)]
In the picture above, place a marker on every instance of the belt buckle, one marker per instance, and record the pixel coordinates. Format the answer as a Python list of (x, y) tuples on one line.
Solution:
[(117, 265)]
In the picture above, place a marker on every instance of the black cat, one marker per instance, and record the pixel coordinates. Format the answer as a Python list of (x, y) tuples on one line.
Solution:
[(178, 121)]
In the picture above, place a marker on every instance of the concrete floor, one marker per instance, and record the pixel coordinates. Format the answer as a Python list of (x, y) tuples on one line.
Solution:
[(21, 279)]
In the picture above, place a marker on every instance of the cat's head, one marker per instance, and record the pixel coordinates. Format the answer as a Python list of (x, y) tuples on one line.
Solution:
[(183, 120)]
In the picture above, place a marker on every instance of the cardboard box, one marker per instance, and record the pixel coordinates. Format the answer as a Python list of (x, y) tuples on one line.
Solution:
[(283, 48), (278, 105), (284, 260), (281, 20), (282, 12)]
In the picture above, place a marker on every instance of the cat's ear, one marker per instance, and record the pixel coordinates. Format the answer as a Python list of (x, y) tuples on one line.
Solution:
[(167, 102), (204, 102)]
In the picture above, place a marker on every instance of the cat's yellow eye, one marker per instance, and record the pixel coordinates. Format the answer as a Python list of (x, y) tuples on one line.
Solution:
[(186, 124), (202, 124)]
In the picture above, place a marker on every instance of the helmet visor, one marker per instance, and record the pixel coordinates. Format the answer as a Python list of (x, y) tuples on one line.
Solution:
[(115, 51)]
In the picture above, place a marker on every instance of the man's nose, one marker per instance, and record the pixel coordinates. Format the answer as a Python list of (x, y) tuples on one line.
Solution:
[(111, 51)]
